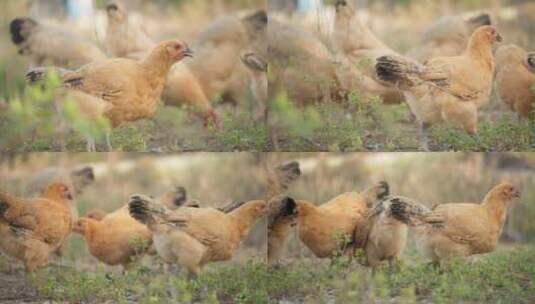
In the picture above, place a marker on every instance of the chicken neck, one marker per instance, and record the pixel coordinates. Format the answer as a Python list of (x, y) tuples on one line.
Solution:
[(244, 217), (157, 66), (480, 50), (496, 206)]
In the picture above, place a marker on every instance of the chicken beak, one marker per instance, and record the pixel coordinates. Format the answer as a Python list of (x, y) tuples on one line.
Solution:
[(188, 52), (499, 37), (516, 194)]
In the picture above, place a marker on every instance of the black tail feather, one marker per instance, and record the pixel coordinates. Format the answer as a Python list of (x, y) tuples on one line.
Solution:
[(340, 3), (481, 20), (230, 207), (257, 21), (139, 209), (17, 27), (288, 207), (387, 69), (399, 210), (180, 196), (36, 75), (384, 190), (288, 173), (112, 7), (410, 212)]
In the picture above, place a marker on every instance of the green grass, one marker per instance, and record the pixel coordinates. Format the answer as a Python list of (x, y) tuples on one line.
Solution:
[(218, 284), (359, 125), (30, 123), (505, 276), (369, 125), (505, 134), (501, 277)]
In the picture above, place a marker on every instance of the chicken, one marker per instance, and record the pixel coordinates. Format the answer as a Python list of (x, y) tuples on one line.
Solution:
[(514, 80), (175, 198), (328, 229), (115, 239), (382, 236), (216, 71), (301, 65), (183, 89), (450, 89), (122, 90), (47, 45), (360, 47), (96, 214), (123, 38), (448, 36), (193, 237), (76, 179), (32, 229), (458, 229), (218, 67), (280, 215)]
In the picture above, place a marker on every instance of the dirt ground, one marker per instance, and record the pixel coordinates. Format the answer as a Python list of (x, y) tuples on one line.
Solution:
[(14, 287)]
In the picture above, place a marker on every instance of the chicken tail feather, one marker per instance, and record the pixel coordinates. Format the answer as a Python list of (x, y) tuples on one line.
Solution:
[(39, 74), (230, 207), (144, 210), (19, 29), (397, 70), (288, 173), (408, 211), (177, 196), (480, 20)]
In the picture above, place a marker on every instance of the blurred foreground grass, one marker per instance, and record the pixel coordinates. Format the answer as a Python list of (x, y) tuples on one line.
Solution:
[(369, 125), (30, 122), (505, 276)]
